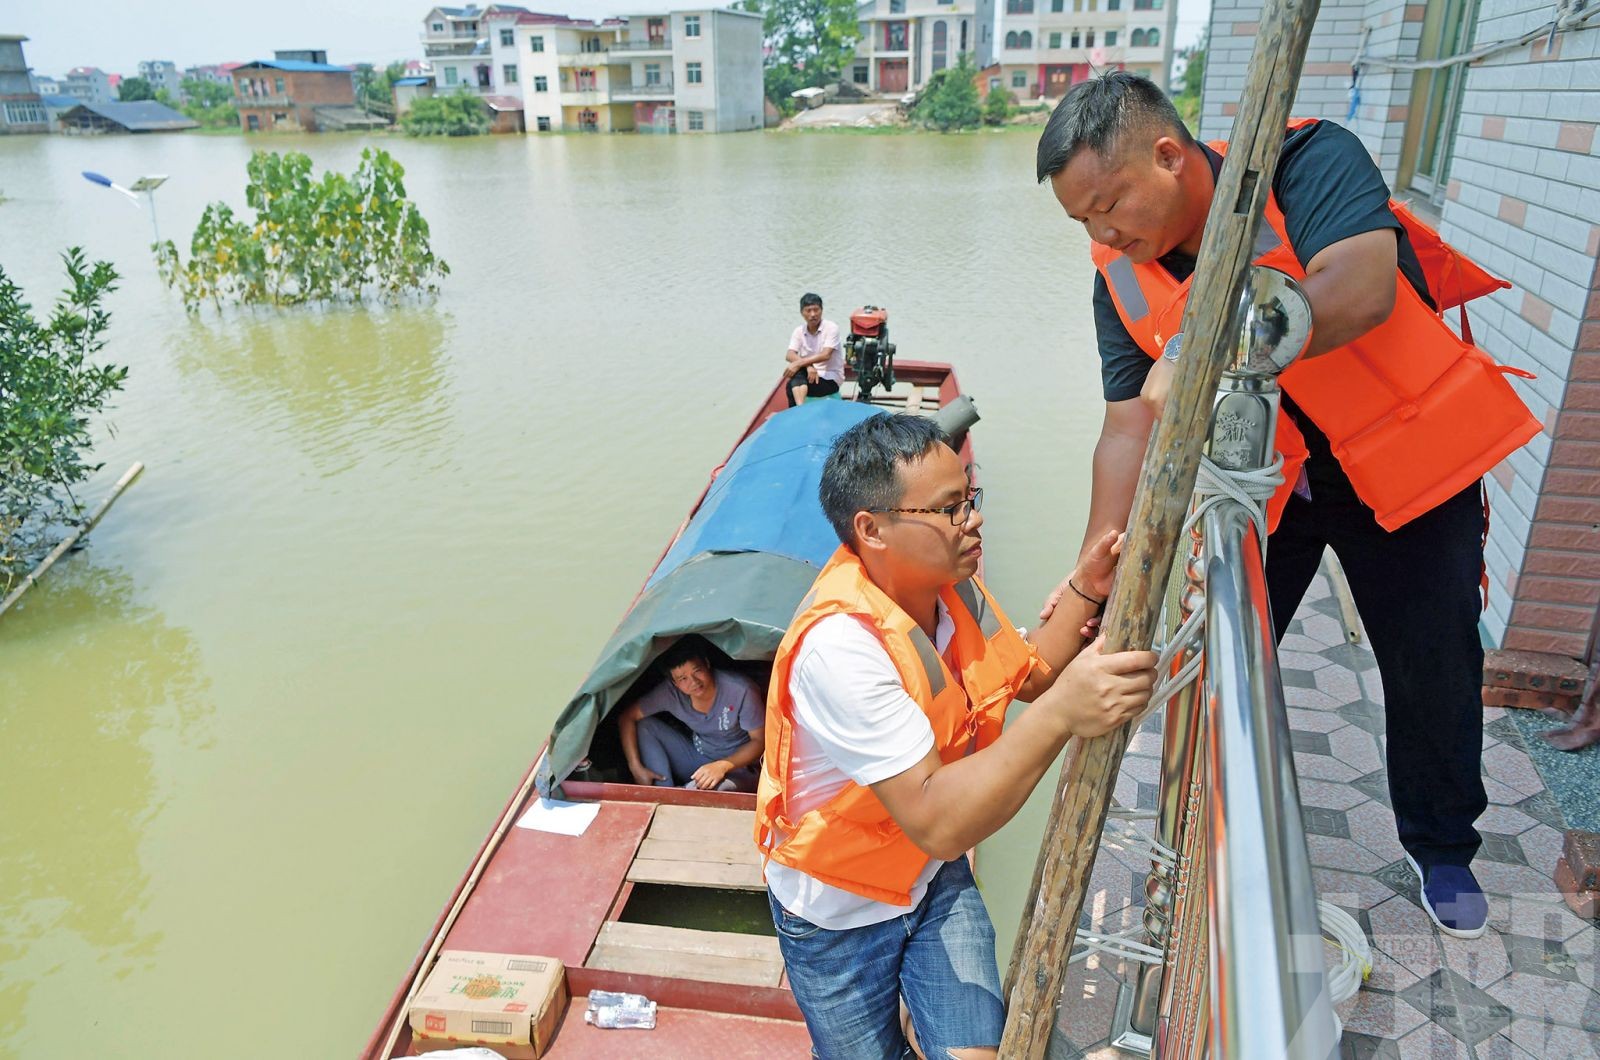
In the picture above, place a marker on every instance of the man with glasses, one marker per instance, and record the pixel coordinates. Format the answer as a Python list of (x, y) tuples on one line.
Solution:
[(886, 757)]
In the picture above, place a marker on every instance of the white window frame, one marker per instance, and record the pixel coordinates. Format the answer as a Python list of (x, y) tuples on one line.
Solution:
[(508, 38), (694, 73), (541, 83), (697, 121), (536, 44), (691, 25), (508, 73)]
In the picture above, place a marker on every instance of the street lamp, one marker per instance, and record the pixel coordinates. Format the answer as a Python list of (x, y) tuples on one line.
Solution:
[(146, 184)]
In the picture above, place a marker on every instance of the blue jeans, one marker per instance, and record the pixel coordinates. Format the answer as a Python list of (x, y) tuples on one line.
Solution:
[(939, 957)]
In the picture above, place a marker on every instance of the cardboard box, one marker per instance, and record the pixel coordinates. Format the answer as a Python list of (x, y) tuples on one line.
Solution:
[(507, 1002)]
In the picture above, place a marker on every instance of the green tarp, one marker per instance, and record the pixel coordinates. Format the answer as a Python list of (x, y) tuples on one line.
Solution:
[(739, 601)]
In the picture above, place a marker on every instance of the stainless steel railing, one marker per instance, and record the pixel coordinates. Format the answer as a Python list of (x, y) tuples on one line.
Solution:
[(1230, 900)]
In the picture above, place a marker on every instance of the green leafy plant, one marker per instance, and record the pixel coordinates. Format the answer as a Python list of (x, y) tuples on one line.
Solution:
[(340, 238), (950, 102), (454, 114), (209, 103), (998, 106), (809, 43), (50, 386), (134, 89)]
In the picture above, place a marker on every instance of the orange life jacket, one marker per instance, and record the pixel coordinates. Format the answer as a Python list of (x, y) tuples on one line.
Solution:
[(1414, 413), (850, 841)]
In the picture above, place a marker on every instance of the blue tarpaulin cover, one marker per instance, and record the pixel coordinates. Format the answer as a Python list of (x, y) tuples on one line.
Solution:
[(734, 577), (765, 499)]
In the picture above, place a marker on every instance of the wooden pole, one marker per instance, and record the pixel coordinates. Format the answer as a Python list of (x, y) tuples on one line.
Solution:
[(72, 539), (1210, 327)]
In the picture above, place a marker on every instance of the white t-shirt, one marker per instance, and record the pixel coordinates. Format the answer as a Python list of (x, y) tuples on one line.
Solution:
[(809, 344), (853, 721)]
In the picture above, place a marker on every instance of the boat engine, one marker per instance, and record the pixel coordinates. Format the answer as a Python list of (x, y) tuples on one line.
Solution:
[(869, 351)]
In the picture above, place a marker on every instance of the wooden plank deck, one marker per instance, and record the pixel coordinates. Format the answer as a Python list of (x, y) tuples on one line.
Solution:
[(684, 953), (700, 846)]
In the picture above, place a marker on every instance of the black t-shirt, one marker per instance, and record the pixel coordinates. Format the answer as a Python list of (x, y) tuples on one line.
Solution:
[(1328, 189)]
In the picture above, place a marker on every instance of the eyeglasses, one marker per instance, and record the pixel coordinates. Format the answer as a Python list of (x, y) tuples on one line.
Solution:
[(959, 512)]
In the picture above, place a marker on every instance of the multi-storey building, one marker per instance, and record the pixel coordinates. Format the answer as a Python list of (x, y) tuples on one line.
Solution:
[(163, 76), (216, 73), (89, 84), (21, 110), (1047, 46), (285, 94), (905, 42), (464, 50), (684, 71)]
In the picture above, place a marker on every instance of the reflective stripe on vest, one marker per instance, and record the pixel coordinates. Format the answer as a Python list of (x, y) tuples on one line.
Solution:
[(1413, 413), (851, 842)]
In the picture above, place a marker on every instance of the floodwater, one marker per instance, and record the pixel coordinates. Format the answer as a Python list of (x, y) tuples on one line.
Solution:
[(253, 733)]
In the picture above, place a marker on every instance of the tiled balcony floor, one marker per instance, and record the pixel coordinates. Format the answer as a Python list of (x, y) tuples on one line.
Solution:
[(1526, 989)]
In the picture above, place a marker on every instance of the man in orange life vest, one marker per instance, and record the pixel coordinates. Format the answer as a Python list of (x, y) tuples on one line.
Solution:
[(885, 757), (1390, 420)]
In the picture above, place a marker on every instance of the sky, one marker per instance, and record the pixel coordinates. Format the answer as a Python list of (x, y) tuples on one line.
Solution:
[(117, 36)]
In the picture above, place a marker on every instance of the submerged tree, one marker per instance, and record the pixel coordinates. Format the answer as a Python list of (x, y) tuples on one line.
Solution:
[(50, 386), (950, 101), (454, 114), (340, 238), (809, 43)]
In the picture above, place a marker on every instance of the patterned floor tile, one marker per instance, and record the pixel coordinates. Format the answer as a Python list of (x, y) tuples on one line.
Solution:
[(1374, 785), (1502, 729), (1305, 695), (1388, 975), (1537, 997), (1352, 890), (1499, 1047), (1513, 768), (1481, 961), (1331, 852), (1541, 844), (1295, 640), (1356, 748), (1431, 1042), (1357, 658), (1339, 683), (1142, 767), (1145, 743), (1372, 826), (1505, 820), (1405, 934), (1311, 742), (1503, 848), (1321, 767), (1304, 661), (1380, 1015), (1540, 956), (1319, 821), (1366, 1047), (1502, 794), (1329, 796), (1314, 720), (1544, 809), (1458, 1006), (1324, 629), (1553, 1041), (1297, 679), (1364, 714), (1513, 880), (1542, 916), (1087, 1020)]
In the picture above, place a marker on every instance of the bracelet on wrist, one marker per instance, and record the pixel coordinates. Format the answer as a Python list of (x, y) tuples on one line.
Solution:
[(1098, 603)]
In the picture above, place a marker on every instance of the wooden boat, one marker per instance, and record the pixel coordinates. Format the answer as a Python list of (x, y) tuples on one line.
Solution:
[(662, 894)]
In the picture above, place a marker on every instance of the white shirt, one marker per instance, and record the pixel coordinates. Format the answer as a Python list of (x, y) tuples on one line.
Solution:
[(809, 344), (854, 721)]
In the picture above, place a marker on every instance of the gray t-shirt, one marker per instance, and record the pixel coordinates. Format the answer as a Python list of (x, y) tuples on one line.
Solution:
[(737, 711)]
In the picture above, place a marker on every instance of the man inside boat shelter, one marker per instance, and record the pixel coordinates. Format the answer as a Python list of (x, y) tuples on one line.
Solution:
[(1390, 419), (886, 759)]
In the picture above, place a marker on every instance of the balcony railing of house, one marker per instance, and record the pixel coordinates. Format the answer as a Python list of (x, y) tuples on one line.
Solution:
[(584, 95), (263, 101), (655, 44), (602, 57), (655, 89)]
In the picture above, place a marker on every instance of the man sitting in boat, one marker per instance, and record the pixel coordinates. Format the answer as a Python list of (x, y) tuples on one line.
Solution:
[(888, 760), (725, 717), (815, 355)]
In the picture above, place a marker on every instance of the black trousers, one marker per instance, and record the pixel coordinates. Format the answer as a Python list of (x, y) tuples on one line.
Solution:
[(821, 388), (1418, 593)]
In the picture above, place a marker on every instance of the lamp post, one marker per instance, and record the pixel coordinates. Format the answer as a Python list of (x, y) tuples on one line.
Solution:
[(146, 184)]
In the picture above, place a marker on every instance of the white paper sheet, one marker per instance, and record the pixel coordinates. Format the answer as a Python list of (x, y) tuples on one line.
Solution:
[(563, 818)]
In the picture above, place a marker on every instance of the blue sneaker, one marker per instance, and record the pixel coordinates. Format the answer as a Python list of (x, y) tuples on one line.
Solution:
[(1452, 898)]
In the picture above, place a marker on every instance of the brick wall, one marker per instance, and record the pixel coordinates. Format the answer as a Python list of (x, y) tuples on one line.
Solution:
[(1523, 199), (1393, 29)]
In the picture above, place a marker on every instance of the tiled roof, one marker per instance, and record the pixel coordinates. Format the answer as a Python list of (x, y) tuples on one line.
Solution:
[(143, 116)]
